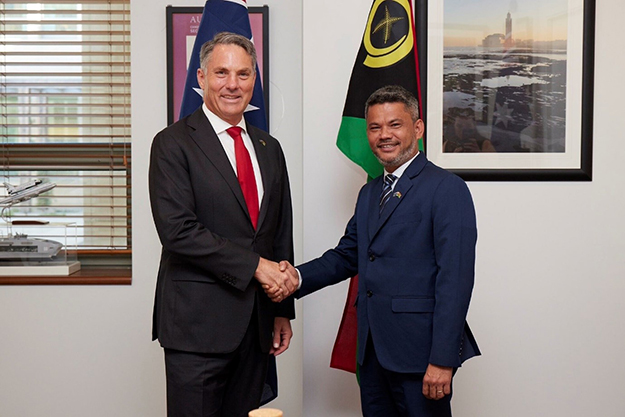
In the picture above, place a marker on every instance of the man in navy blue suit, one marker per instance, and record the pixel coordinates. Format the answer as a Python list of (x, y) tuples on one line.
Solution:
[(412, 243)]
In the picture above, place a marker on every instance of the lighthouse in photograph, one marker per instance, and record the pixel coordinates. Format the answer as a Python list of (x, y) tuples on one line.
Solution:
[(508, 42)]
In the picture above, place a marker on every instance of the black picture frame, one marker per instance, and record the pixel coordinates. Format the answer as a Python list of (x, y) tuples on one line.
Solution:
[(174, 90), (581, 169)]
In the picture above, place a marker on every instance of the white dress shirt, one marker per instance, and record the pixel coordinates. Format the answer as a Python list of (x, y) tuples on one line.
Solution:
[(400, 170), (227, 143)]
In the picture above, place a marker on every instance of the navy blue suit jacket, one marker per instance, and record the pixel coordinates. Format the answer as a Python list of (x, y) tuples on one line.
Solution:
[(416, 269)]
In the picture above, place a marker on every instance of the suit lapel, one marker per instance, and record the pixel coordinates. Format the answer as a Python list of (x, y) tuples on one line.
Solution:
[(264, 163), (403, 186), (374, 206), (206, 139)]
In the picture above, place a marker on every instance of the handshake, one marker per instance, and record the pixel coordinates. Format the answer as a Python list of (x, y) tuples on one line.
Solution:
[(279, 280)]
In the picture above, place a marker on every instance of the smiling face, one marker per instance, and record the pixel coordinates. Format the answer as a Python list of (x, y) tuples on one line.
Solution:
[(227, 82), (393, 136)]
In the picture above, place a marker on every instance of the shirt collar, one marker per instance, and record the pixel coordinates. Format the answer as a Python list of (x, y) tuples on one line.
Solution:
[(219, 124), (400, 170)]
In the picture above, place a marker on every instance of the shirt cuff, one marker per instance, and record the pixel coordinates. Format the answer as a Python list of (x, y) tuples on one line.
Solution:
[(299, 274)]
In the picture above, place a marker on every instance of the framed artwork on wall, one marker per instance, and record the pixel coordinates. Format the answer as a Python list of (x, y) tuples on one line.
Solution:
[(182, 26), (509, 88)]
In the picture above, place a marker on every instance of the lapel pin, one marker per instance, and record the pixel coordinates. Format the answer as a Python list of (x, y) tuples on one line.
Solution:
[(263, 142), (397, 194)]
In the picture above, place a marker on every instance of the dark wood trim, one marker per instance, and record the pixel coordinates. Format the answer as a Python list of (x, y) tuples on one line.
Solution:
[(87, 276)]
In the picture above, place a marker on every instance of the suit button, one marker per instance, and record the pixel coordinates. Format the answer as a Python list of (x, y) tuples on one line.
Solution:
[(369, 293), (372, 258)]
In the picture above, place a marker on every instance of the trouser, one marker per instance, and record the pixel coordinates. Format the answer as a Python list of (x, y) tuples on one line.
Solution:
[(216, 385), (392, 394)]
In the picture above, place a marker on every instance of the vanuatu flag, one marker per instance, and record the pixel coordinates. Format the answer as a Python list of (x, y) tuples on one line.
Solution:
[(387, 56)]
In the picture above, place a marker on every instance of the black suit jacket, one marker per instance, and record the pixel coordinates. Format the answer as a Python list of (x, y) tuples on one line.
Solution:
[(205, 292)]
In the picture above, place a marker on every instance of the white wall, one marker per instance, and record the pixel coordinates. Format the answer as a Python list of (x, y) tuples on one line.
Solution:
[(547, 308)]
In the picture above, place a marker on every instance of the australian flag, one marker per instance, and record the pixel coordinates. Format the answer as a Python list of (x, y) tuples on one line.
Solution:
[(222, 16)]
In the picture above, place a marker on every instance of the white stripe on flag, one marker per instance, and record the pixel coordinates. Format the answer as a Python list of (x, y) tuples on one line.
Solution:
[(251, 108), (241, 2), (248, 108)]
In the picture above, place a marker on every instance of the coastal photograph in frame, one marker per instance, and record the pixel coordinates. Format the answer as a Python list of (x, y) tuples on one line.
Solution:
[(510, 89), (182, 26)]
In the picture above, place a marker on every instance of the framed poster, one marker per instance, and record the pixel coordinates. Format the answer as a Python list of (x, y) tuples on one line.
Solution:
[(182, 26), (510, 88)]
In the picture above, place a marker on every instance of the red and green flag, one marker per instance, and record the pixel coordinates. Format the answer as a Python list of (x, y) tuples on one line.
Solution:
[(387, 56)]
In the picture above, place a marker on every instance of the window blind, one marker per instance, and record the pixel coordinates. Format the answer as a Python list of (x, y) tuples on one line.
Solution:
[(65, 118)]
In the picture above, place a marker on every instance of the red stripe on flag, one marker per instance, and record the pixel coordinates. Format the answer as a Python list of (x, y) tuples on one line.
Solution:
[(344, 350), (416, 58)]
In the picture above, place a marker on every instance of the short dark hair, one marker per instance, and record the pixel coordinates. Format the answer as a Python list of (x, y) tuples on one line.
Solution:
[(394, 94), (227, 38)]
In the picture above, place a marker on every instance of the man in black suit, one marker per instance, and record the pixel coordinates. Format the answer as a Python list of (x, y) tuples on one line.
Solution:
[(221, 203)]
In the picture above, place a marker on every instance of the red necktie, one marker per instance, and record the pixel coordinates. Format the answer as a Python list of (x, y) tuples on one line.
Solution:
[(245, 173)]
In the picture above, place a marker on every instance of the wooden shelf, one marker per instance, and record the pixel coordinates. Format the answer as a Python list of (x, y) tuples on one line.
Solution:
[(86, 276)]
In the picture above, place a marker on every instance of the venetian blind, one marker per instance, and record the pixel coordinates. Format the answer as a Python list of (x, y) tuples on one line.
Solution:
[(65, 117)]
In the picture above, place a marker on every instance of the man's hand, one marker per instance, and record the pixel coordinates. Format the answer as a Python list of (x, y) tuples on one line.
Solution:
[(282, 335), (277, 284), (285, 266), (275, 294), (437, 382)]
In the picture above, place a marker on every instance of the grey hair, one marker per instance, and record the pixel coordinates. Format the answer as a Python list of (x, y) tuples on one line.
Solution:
[(227, 38), (394, 94)]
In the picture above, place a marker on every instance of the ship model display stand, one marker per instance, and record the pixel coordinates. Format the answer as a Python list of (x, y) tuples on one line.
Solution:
[(35, 247), (38, 249)]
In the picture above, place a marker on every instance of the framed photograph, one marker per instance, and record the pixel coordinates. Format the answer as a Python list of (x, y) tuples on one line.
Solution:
[(510, 88), (182, 26)]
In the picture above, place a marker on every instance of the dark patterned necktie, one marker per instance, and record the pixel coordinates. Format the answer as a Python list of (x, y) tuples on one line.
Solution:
[(386, 190), (245, 174)]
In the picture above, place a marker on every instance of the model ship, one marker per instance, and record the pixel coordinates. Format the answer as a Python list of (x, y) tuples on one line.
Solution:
[(20, 247)]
